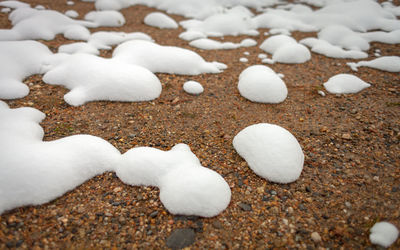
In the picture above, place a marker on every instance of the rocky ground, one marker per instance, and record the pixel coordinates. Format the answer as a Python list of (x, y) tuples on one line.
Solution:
[(351, 176)]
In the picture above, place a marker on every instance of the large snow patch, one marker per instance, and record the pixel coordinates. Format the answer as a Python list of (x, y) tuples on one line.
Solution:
[(271, 152)]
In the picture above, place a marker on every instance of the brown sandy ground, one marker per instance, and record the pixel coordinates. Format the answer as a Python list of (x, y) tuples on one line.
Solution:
[(351, 176)]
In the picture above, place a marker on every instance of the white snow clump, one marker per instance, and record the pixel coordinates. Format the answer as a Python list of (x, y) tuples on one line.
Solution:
[(259, 83), (185, 186), (325, 48), (106, 18), (20, 59), (30, 23), (383, 234), (385, 63), (112, 4), (271, 152), (165, 59), (285, 49), (193, 87), (105, 79), (209, 44), (71, 13), (160, 20), (34, 172), (345, 84), (235, 21)]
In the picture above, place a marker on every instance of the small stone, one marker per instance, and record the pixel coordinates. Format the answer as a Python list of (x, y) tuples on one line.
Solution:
[(316, 237), (290, 210), (260, 190), (245, 207), (175, 101), (217, 224), (347, 204), (81, 210), (323, 129), (274, 210), (346, 136), (181, 238), (376, 178), (154, 214), (117, 189)]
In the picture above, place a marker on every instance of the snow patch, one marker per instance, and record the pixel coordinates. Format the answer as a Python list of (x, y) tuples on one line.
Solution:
[(160, 20), (209, 44), (30, 23), (35, 172), (271, 152), (285, 49), (71, 13), (345, 84), (193, 87), (106, 18), (259, 83), (20, 59), (105, 79), (385, 63), (164, 59), (383, 234)]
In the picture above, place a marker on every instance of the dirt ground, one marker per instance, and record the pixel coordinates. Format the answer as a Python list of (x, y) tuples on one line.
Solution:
[(350, 180)]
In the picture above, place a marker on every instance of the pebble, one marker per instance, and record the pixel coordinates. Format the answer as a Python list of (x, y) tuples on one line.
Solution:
[(346, 136), (245, 206), (154, 214), (290, 210), (217, 224), (274, 210), (316, 237), (181, 238)]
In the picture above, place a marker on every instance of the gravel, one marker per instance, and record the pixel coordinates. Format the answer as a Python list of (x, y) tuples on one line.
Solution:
[(350, 142)]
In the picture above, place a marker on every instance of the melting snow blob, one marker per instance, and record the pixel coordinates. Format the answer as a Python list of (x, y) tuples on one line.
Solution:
[(193, 88), (160, 20), (71, 13), (345, 84), (235, 21), (185, 186), (209, 44), (30, 23), (325, 48), (105, 79), (106, 18), (285, 49), (34, 172), (385, 63), (271, 152), (19, 60), (259, 83), (383, 234), (165, 59)]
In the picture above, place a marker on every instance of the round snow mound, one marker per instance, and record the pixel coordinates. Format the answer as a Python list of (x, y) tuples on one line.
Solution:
[(273, 43), (193, 88), (292, 53), (259, 83), (194, 190), (271, 152), (345, 84), (383, 234), (160, 20)]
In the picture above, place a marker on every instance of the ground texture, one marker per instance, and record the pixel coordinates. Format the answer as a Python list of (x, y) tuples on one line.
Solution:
[(351, 176)]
